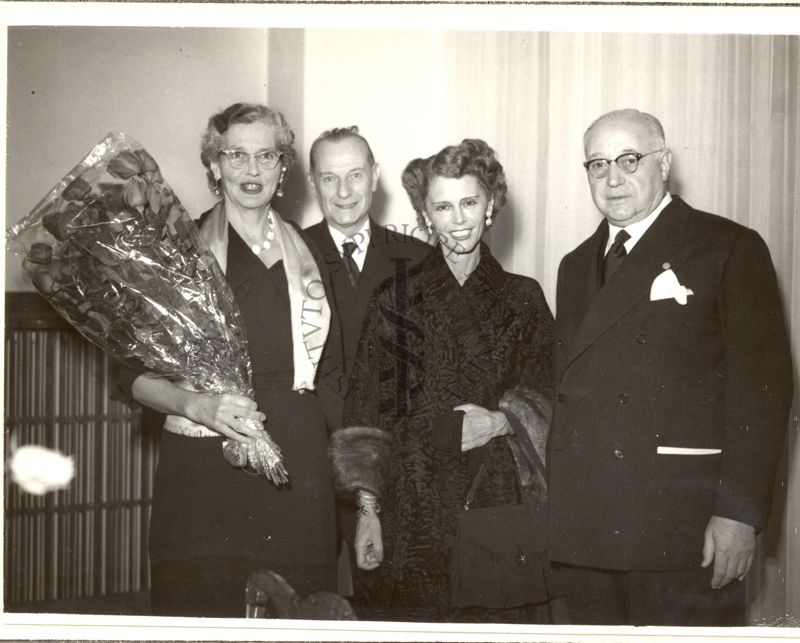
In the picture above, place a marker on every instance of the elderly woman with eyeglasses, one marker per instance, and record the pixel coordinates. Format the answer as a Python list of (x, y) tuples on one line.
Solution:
[(211, 523)]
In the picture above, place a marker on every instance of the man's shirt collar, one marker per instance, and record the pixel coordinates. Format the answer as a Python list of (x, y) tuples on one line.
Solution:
[(360, 238), (637, 230)]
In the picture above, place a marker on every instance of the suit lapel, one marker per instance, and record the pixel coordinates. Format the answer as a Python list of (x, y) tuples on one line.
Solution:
[(371, 271), (589, 278), (327, 246), (374, 269), (333, 260), (667, 242)]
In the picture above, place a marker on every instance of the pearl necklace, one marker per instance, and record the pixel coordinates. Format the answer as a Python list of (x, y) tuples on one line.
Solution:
[(267, 242)]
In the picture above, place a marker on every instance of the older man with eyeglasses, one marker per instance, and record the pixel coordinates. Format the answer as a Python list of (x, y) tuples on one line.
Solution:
[(674, 384)]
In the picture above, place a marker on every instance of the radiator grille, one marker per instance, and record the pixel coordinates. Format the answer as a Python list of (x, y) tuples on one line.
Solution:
[(91, 538)]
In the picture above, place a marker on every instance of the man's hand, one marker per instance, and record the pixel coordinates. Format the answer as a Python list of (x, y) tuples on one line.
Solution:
[(481, 425), (369, 541), (730, 545)]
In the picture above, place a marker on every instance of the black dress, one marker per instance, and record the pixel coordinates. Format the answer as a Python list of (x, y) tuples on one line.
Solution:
[(428, 345), (212, 524)]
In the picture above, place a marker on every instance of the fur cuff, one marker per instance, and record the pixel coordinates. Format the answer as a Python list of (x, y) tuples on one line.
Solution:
[(534, 410), (529, 413), (360, 459)]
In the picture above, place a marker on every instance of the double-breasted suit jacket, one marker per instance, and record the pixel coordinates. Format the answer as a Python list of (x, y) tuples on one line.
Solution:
[(388, 251), (666, 413)]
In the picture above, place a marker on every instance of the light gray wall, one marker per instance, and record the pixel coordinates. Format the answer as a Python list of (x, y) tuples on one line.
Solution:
[(69, 86)]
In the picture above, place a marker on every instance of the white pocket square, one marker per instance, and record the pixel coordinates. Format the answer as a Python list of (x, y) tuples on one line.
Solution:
[(686, 451), (666, 286)]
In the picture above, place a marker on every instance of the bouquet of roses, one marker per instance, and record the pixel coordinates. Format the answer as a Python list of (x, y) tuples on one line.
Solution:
[(115, 253)]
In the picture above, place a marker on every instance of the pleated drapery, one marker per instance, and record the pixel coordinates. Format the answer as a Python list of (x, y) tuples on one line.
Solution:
[(729, 107)]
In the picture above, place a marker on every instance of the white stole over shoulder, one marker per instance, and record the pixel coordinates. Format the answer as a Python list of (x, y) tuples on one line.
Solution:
[(310, 311)]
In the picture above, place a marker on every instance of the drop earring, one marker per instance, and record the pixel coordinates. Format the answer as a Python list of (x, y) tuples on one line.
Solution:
[(488, 220), (216, 189), (279, 191)]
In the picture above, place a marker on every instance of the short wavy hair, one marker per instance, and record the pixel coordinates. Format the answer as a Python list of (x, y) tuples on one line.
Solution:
[(334, 136), (471, 157), (212, 142)]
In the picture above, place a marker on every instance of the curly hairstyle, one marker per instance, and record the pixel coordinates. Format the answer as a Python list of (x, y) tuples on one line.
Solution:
[(213, 140), (472, 156)]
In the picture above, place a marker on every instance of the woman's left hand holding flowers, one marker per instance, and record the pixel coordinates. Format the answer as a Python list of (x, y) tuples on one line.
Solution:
[(481, 425), (224, 414)]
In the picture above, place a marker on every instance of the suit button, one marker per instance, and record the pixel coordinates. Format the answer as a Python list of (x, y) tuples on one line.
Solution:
[(618, 454), (641, 338), (560, 343), (561, 397), (623, 398)]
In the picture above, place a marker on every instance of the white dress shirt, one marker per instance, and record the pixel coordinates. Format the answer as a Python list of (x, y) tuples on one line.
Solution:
[(637, 230), (360, 238)]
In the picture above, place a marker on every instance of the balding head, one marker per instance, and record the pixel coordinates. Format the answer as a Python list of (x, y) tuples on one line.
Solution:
[(648, 121), (629, 146)]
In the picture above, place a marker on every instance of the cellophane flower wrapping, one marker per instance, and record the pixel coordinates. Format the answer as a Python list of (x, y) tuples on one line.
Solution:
[(116, 254)]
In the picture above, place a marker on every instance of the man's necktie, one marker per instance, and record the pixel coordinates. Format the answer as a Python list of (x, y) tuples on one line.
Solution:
[(350, 265), (615, 256)]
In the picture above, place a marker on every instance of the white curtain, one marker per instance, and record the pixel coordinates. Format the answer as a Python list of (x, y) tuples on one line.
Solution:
[(729, 106)]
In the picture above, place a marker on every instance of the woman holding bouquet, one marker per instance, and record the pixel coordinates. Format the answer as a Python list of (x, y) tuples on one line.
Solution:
[(212, 524), (445, 356)]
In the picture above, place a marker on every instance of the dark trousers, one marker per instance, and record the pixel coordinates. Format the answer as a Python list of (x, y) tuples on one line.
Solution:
[(346, 519), (671, 598), (202, 588)]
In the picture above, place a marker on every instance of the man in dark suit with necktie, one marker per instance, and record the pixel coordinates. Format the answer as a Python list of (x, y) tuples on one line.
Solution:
[(359, 253), (674, 384)]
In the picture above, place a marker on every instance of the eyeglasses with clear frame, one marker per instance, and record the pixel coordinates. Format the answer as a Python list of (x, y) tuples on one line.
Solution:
[(265, 160), (628, 163)]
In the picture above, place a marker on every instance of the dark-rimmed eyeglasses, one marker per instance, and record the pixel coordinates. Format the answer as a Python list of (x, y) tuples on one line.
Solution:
[(239, 159), (628, 163)]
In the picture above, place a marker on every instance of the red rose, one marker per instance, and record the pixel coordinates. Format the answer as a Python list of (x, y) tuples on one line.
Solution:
[(136, 192), (61, 224), (77, 190), (44, 282), (125, 165), (147, 162)]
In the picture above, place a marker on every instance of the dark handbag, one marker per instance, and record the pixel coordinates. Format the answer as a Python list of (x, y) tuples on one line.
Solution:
[(499, 559)]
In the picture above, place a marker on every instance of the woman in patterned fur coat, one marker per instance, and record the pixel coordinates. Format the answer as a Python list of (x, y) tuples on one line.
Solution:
[(450, 348)]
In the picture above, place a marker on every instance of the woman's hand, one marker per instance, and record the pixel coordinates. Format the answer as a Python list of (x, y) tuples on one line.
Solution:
[(222, 413), (369, 540), (481, 425), (219, 413)]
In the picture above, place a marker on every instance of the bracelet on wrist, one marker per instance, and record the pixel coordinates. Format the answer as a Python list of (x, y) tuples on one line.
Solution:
[(365, 501)]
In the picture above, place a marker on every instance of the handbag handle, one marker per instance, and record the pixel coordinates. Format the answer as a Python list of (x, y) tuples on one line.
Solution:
[(474, 486)]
